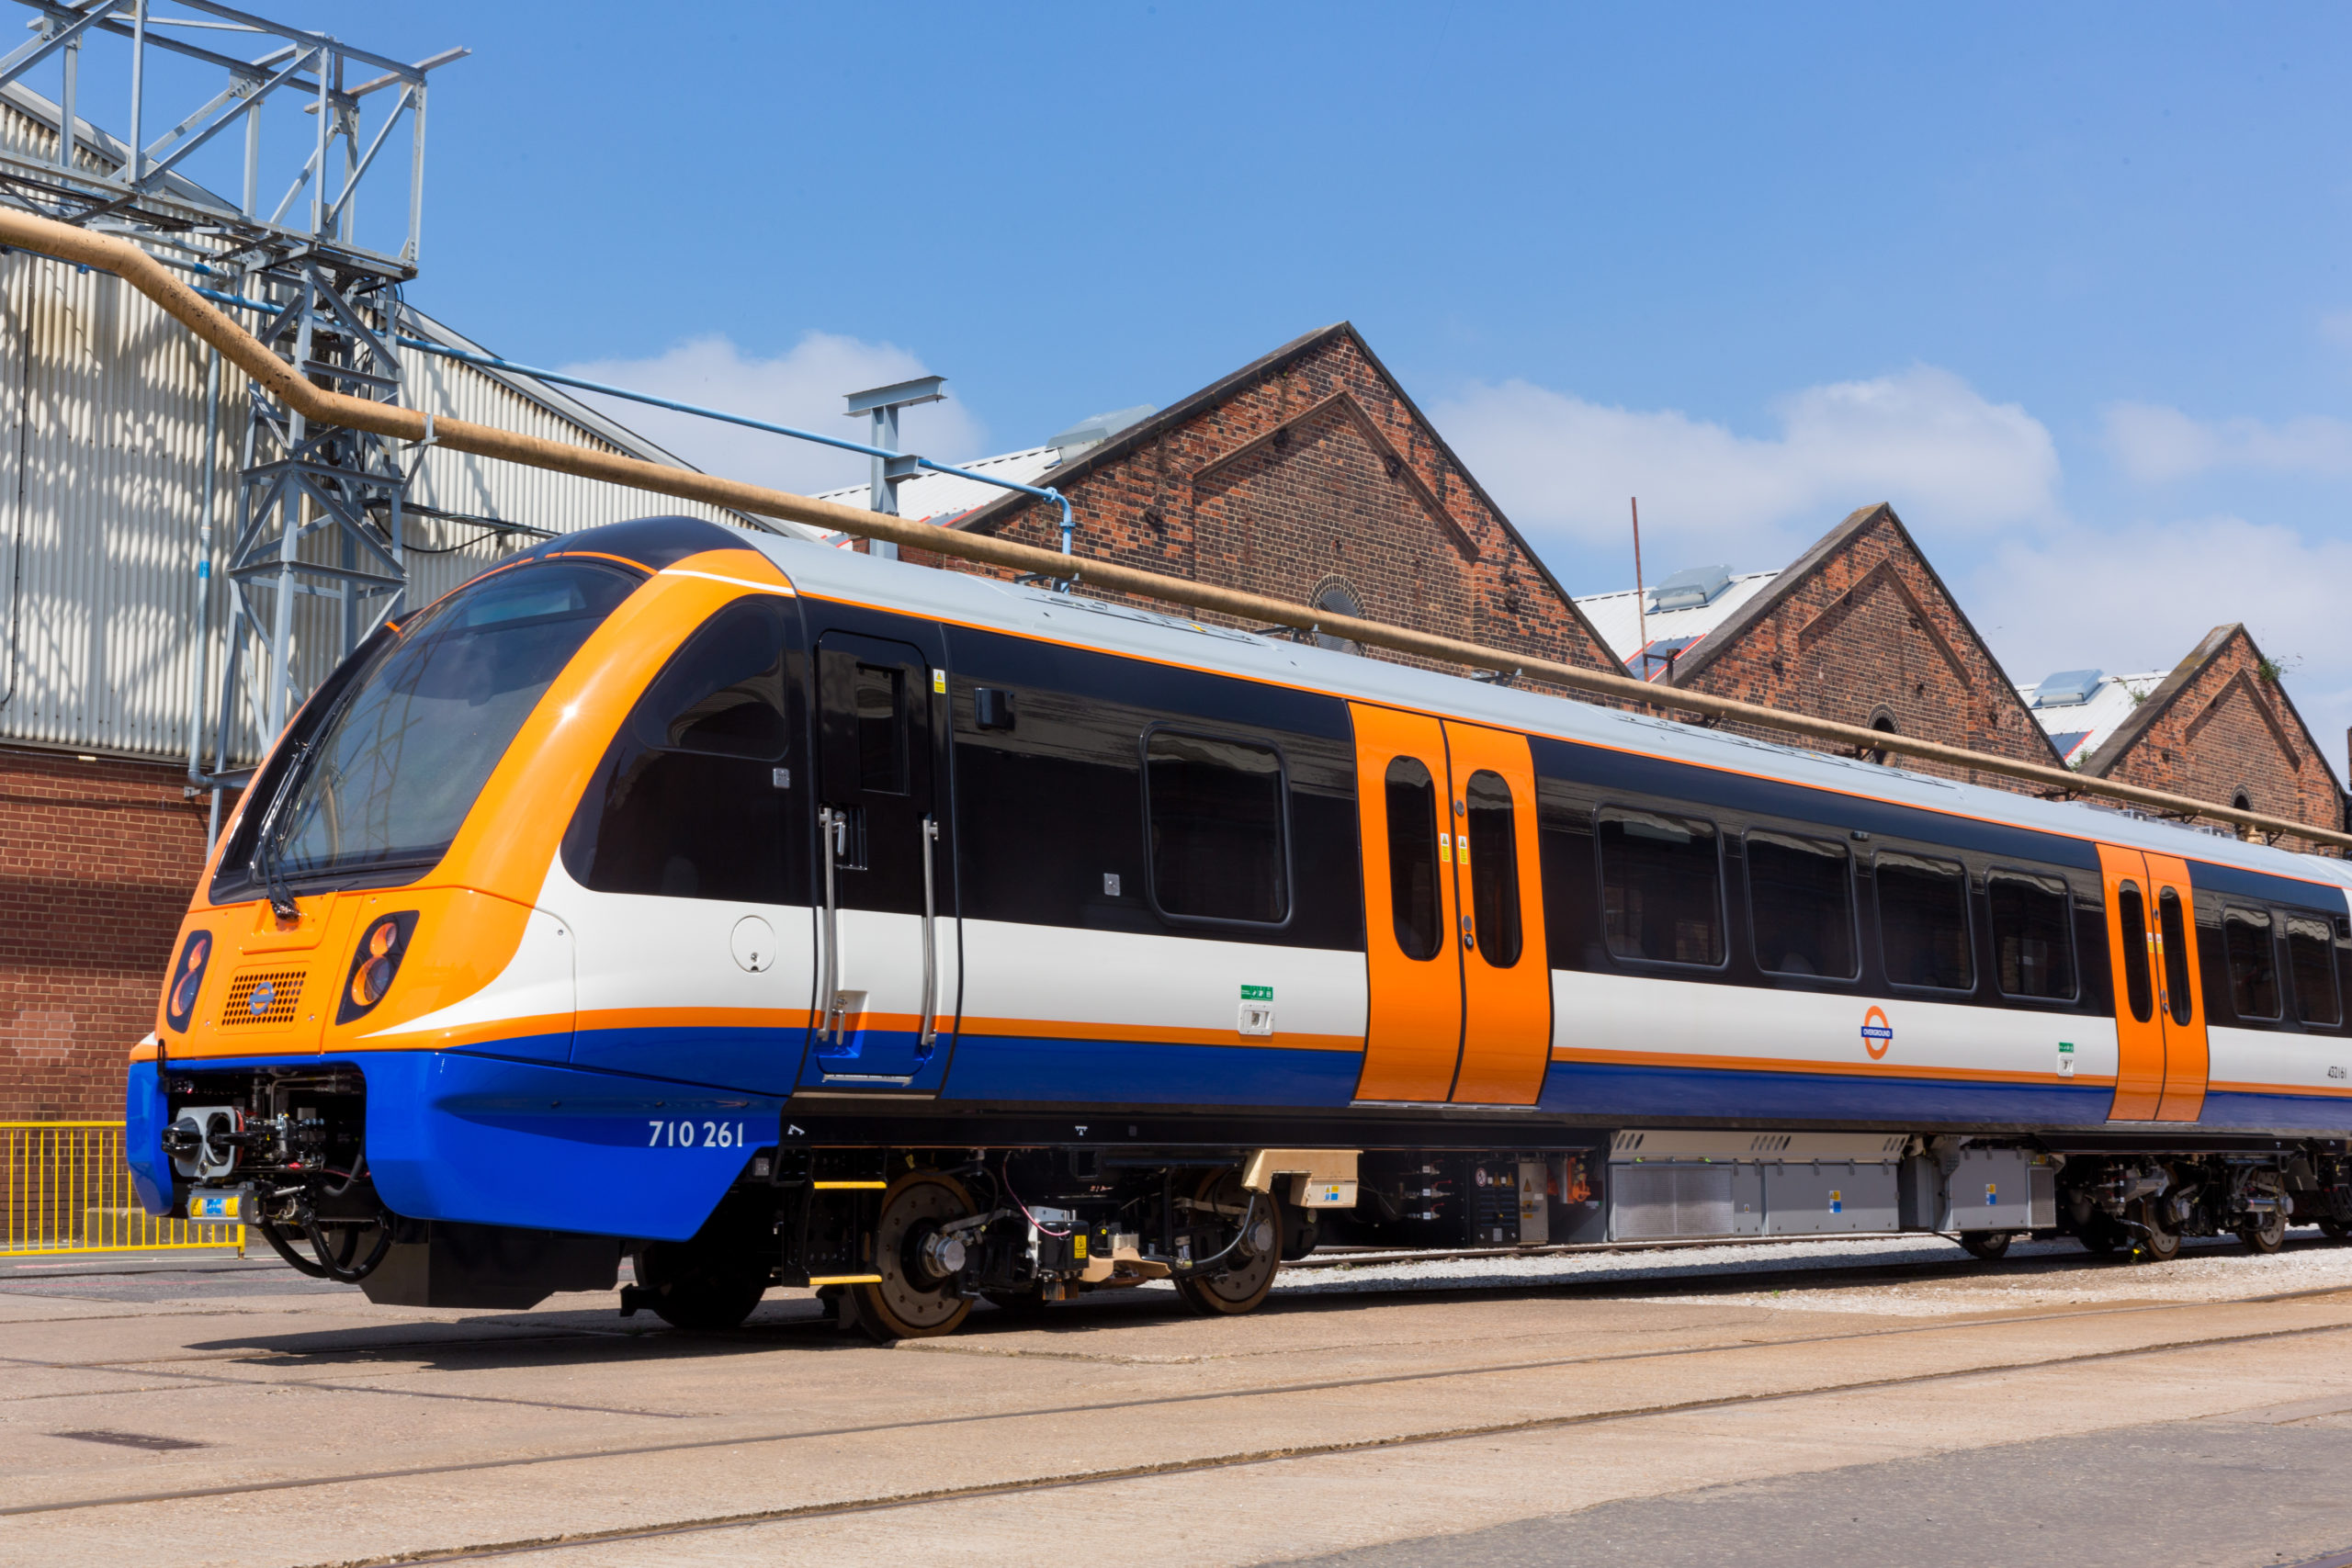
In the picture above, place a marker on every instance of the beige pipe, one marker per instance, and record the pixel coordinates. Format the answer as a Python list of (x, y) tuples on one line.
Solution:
[(316, 403)]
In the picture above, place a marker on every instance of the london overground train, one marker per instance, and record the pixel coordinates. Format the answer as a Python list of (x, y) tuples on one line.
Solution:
[(773, 914)]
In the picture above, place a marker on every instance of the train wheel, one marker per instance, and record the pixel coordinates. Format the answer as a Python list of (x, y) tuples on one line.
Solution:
[(1250, 1274), (918, 1261), (2158, 1243), (2265, 1235), (1987, 1244), (690, 1286)]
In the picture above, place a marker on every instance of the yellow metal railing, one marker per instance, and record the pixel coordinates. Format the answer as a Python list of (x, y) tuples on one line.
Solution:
[(65, 1188)]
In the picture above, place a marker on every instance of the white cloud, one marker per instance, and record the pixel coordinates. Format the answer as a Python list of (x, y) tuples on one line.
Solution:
[(1923, 439), (2152, 443), (2140, 599), (802, 387)]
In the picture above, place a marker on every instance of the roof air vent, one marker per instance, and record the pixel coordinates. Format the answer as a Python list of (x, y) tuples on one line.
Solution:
[(2068, 688), (1097, 428), (1690, 589)]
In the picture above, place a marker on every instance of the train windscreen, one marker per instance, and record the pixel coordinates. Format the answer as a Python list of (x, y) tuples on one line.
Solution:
[(391, 770)]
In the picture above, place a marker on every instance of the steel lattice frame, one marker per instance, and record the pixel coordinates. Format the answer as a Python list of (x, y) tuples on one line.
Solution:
[(318, 509)]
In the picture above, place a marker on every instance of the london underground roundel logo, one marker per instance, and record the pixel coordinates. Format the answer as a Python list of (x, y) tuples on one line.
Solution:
[(1877, 1033), (263, 994)]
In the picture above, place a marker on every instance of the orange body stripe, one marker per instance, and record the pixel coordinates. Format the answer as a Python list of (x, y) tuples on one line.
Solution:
[(1788, 1064)]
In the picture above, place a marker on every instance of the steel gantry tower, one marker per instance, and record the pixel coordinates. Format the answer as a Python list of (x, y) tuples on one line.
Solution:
[(313, 561)]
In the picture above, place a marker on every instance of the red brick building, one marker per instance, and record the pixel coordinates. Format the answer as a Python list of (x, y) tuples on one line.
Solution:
[(97, 861), (1309, 475), (1860, 629), (2220, 727)]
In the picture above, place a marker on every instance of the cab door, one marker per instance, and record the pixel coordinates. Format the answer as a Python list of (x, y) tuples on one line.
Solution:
[(1460, 992), (2162, 1055), (887, 931)]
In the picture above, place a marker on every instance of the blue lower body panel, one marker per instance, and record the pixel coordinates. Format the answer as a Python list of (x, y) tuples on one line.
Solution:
[(456, 1136), (142, 1139), (1127, 1072), (2322, 1114), (1633, 1094)]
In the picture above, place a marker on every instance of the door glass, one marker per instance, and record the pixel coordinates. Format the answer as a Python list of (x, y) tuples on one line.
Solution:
[(2137, 989), (880, 695), (2175, 940), (2253, 970), (1412, 858), (1494, 869)]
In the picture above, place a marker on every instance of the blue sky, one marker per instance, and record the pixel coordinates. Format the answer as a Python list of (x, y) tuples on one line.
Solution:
[(2065, 284)]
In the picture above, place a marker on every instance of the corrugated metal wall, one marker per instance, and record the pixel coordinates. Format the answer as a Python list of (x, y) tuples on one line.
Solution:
[(102, 414)]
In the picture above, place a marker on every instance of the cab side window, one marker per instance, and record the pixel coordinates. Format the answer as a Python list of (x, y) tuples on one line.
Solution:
[(691, 801)]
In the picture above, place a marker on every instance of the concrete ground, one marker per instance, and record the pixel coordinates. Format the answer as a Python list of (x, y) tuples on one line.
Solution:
[(1854, 1403)]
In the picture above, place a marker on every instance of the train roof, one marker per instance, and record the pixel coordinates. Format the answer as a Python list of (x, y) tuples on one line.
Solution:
[(992, 603)]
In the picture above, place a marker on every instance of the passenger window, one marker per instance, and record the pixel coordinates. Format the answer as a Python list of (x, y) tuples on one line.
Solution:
[(1412, 858), (2139, 990), (2310, 958), (2253, 965), (1661, 888), (2173, 924), (1800, 906), (1215, 813), (1494, 869), (880, 693), (692, 804), (1923, 922), (2033, 939)]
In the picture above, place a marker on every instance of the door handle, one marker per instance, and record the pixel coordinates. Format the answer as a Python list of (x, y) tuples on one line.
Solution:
[(1469, 935), (930, 947), (833, 828)]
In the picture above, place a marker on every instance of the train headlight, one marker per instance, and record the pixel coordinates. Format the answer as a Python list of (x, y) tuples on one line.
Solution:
[(187, 980), (382, 944)]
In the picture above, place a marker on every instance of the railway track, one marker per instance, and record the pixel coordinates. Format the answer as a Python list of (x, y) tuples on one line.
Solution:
[(1244, 1458), (1274, 1391)]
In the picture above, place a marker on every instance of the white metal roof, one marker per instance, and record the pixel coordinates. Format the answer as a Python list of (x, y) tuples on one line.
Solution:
[(1616, 616), (2077, 729), (941, 498), (974, 600)]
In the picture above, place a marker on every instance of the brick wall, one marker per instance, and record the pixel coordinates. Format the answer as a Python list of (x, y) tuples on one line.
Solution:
[(2217, 727), (1861, 629), (98, 861), (1308, 470)]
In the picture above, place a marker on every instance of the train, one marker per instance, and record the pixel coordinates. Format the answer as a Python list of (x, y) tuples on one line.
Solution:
[(764, 914)]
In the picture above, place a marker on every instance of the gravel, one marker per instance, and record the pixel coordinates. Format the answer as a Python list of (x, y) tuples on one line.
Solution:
[(2055, 1273)]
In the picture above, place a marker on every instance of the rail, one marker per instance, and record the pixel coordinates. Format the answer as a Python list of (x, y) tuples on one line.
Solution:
[(64, 1187), (152, 278)]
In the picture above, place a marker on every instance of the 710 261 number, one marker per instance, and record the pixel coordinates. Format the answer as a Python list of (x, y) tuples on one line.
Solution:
[(692, 1134)]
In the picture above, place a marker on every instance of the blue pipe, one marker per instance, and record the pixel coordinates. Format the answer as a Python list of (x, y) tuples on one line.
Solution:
[(491, 363)]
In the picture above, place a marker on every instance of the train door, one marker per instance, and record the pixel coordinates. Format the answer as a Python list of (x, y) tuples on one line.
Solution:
[(1507, 979), (1413, 1028), (1460, 1005), (887, 947), (2162, 1055)]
